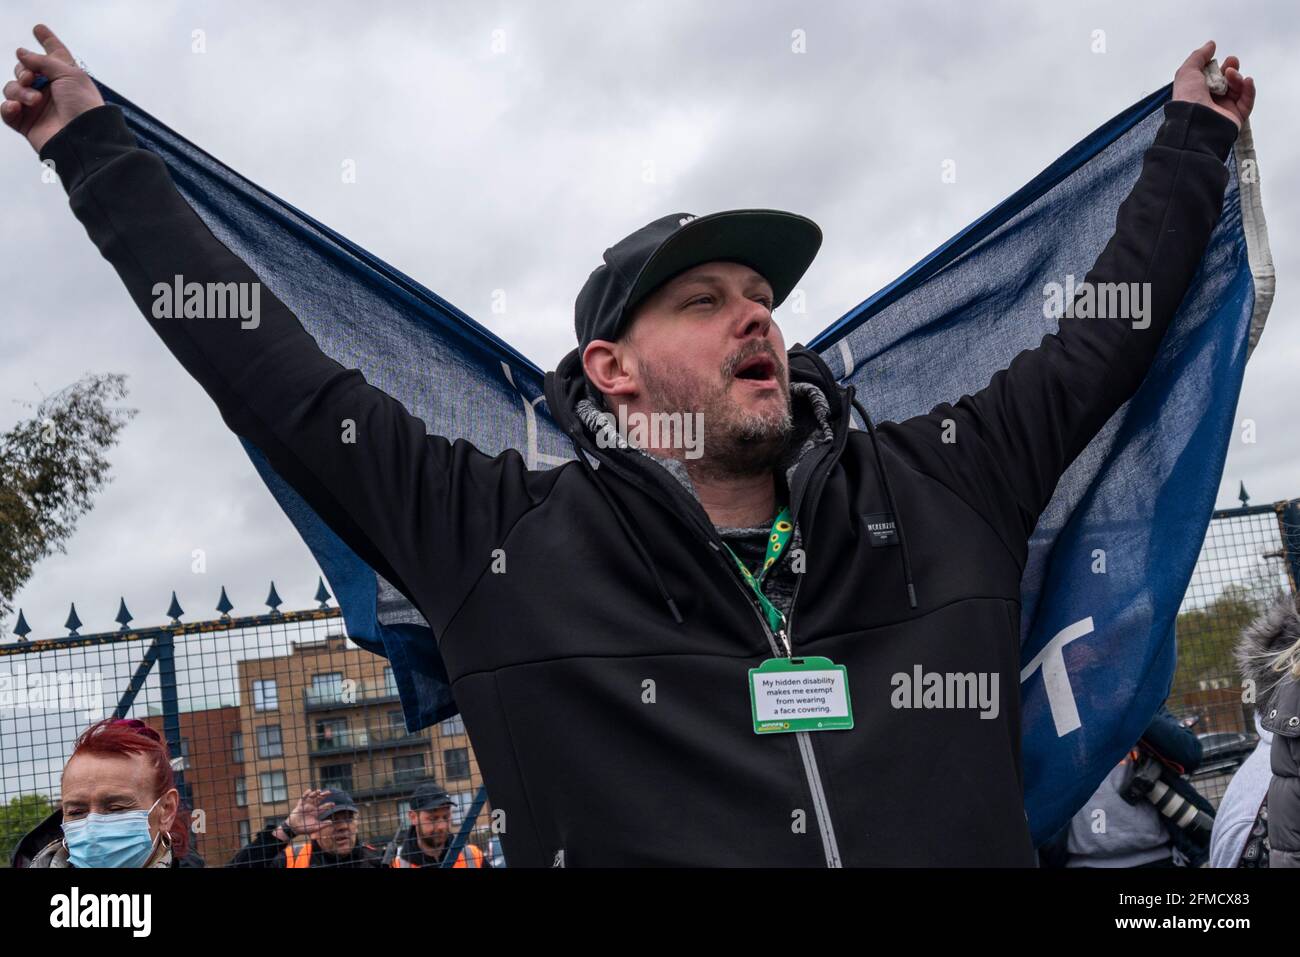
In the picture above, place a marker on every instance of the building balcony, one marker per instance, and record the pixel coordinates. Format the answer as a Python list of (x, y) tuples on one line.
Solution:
[(365, 739), (324, 699), (394, 785)]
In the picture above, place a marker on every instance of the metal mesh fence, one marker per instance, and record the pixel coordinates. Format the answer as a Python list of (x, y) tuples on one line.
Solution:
[(257, 711), (1245, 566)]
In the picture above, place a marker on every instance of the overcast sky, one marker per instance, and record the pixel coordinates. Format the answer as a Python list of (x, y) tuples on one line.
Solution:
[(514, 168)]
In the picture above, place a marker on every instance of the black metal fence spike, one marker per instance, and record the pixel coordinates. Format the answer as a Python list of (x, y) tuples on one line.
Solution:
[(174, 610), (223, 604), (273, 600), (322, 595), (1244, 495), (123, 616), (73, 622), (22, 629)]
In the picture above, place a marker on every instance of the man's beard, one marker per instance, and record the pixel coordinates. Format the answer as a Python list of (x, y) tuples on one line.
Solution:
[(435, 839), (736, 442)]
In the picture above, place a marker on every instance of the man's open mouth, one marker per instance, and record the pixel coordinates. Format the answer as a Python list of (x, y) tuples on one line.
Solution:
[(759, 369)]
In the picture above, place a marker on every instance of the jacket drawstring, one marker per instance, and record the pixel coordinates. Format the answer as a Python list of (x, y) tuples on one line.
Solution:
[(889, 496), (625, 523)]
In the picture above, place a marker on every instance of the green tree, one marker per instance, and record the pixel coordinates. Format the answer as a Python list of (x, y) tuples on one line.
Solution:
[(51, 466), (1207, 635), (21, 815)]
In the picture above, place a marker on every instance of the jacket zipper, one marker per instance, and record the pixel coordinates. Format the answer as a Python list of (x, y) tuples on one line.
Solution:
[(821, 809), (804, 738)]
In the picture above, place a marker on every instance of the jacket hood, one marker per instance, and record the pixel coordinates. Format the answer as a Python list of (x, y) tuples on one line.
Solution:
[(567, 389), (820, 408), (1264, 649), (572, 403), (817, 405)]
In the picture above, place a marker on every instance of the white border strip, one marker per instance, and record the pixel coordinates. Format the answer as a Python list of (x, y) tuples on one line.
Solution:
[(1258, 254)]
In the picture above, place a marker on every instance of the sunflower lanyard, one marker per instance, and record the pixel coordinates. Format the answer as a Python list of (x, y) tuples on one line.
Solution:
[(792, 694), (777, 539)]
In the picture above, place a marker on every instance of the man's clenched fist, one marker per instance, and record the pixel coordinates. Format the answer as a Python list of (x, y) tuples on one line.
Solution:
[(1190, 84), (39, 114)]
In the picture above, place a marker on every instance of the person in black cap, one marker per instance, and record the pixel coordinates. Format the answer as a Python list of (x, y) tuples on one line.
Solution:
[(684, 645), (328, 819), (427, 837)]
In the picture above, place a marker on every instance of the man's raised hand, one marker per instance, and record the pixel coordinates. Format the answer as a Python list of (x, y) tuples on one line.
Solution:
[(305, 816), (1190, 84), (39, 114)]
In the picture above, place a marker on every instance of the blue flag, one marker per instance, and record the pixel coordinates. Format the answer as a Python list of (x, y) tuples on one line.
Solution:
[(1112, 554)]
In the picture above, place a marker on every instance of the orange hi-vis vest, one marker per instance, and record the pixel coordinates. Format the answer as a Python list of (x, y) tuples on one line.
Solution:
[(475, 858), (301, 859)]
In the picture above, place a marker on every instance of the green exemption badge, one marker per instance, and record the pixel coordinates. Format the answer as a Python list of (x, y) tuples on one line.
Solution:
[(799, 694)]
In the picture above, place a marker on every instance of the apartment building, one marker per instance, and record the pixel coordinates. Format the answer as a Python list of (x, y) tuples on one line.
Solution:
[(327, 715)]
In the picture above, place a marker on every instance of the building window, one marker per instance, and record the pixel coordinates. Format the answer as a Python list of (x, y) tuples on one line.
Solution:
[(265, 695), (460, 805), (331, 733), (336, 776), (455, 764), (396, 723), (269, 742), (185, 754), (453, 725), (326, 688), (241, 792), (237, 747), (390, 683), (274, 787), (244, 833), (408, 768), (403, 809)]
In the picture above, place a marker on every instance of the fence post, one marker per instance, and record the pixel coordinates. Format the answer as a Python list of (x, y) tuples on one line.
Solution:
[(1288, 514), (171, 708), (462, 836), (137, 680)]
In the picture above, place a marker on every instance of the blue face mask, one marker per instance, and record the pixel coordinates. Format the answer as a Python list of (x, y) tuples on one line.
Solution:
[(109, 840)]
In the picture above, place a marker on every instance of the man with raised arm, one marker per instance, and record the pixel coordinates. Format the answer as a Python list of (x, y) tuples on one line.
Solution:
[(694, 654)]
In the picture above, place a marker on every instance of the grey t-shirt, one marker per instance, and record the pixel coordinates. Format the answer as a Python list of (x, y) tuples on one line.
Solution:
[(1109, 832)]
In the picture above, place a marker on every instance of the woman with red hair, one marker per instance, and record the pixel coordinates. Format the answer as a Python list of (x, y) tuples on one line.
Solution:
[(120, 806)]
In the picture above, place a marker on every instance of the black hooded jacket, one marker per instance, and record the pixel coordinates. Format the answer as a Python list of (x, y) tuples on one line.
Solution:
[(603, 676)]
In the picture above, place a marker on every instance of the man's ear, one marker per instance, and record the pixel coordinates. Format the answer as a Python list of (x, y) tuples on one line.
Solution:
[(605, 363)]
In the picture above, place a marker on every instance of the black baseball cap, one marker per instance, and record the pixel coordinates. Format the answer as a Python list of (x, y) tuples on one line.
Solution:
[(429, 796), (779, 246), (341, 799)]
